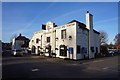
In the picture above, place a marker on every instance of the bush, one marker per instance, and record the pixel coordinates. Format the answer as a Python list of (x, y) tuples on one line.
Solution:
[(103, 50), (98, 55)]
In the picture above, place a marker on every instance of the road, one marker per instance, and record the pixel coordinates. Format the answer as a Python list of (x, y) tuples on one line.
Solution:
[(45, 67)]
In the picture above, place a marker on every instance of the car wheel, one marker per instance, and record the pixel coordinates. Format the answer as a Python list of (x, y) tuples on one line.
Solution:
[(112, 54)]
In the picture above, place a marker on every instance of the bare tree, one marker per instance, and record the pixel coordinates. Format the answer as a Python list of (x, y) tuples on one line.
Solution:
[(103, 37), (13, 36), (117, 39)]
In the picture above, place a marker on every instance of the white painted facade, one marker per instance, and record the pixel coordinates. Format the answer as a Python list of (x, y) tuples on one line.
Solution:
[(78, 36), (18, 42)]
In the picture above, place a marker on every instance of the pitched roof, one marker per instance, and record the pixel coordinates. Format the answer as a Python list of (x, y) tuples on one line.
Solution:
[(21, 38), (82, 25), (96, 31)]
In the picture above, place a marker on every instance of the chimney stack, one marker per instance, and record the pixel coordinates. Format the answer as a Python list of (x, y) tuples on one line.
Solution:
[(20, 34), (89, 21)]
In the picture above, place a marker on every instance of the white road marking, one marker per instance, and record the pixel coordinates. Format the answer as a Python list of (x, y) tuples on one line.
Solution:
[(113, 70), (109, 68), (98, 61), (105, 68), (35, 70)]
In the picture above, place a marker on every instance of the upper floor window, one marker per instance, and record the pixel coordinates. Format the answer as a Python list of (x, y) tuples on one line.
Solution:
[(37, 40), (48, 27), (48, 39), (63, 34), (32, 40)]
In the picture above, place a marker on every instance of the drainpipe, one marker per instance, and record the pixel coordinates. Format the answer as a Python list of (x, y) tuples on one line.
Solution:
[(41, 41), (55, 41), (89, 45)]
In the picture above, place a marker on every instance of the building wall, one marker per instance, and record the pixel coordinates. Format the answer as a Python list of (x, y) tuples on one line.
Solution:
[(82, 41), (85, 38), (32, 42), (79, 37), (13, 43), (91, 35), (50, 33), (17, 44), (70, 31), (97, 42), (91, 43)]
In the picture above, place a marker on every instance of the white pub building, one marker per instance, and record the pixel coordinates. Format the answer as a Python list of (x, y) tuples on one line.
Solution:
[(74, 40)]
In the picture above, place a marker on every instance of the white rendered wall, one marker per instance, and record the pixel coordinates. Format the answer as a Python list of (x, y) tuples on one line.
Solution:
[(89, 26), (97, 41), (13, 43), (70, 31), (18, 44), (50, 33), (79, 37), (37, 35), (82, 41)]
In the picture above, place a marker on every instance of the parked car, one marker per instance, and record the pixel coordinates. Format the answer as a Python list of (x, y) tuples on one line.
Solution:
[(112, 53), (17, 53), (25, 51)]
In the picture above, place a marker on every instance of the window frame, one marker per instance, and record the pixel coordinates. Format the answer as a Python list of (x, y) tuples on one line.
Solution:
[(92, 49), (63, 34), (48, 39), (37, 40), (78, 49)]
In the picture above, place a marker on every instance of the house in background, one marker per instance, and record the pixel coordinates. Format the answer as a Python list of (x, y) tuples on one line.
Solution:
[(20, 42), (6, 46), (74, 40)]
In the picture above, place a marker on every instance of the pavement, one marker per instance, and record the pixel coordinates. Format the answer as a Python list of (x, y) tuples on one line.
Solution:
[(44, 67)]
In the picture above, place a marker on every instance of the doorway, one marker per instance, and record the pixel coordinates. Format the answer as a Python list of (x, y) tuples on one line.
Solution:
[(33, 49), (63, 50), (48, 50)]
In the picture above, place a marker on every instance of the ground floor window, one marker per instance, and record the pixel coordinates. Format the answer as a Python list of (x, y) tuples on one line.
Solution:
[(96, 49), (92, 49), (78, 49)]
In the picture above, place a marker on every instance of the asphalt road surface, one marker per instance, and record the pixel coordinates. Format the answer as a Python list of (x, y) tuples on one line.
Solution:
[(45, 67)]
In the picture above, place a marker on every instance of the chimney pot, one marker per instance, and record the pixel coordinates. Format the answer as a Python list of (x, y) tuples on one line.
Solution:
[(87, 11), (20, 34)]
